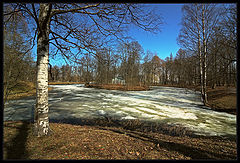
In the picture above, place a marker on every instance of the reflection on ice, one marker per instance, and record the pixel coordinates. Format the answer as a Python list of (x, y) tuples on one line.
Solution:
[(165, 104)]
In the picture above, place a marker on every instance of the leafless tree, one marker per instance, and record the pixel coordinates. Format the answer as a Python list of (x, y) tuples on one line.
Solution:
[(17, 48), (67, 27), (198, 23)]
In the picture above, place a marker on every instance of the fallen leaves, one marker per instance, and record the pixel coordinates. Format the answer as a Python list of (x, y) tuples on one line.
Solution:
[(95, 143), (137, 153)]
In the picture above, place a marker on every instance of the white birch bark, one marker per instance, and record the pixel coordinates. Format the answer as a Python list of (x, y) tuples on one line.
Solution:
[(41, 121), (200, 56), (204, 57)]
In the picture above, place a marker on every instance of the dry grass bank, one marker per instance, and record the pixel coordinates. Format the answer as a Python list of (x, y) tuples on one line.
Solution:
[(64, 83), (95, 142), (23, 89), (223, 99), (118, 87)]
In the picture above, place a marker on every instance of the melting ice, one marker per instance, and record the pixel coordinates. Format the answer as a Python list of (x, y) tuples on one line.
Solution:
[(165, 104)]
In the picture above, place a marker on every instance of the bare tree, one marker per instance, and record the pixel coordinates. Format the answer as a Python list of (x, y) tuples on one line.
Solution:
[(17, 48), (198, 23), (147, 68), (130, 53), (85, 27), (156, 64)]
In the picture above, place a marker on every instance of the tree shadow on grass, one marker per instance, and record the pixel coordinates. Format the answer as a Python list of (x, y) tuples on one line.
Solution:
[(16, 148), (192, 152), (139, 130)]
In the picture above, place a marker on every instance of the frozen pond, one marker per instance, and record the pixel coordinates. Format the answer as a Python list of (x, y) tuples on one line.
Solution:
[(165, 104)]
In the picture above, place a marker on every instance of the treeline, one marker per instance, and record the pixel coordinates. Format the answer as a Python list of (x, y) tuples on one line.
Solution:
[(127, 62), (18, 63), (208, 38), (207, 56), (108, 63), (139, 68), (209, 34)]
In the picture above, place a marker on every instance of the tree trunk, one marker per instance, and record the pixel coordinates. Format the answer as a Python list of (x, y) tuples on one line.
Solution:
[(204, 58), (200, 62), (41, 121), (215, 71)]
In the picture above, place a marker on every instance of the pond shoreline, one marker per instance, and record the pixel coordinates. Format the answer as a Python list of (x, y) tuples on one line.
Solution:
[(160, 104), (118, 87), (215, 102)]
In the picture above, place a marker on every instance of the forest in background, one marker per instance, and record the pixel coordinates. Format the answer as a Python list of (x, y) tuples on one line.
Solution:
[(128, 60), (207, 57)]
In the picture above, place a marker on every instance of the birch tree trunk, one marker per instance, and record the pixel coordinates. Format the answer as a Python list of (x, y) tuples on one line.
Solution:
[(200, 58), (41, 121), (204, 57)]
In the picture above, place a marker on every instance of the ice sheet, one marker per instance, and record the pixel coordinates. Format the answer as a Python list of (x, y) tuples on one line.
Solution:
[(174, 105)]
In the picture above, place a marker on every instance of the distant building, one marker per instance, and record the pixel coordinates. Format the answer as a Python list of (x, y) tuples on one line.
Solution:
[(118, 80)]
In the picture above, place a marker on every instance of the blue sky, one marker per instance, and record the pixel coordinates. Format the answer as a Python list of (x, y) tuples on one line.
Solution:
[(164, 42)]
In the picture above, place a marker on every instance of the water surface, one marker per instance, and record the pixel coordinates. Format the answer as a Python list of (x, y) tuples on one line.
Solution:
[(161, 104)]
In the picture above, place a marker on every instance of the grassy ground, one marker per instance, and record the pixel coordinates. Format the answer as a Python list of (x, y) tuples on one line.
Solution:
[(118, 87), (62, 83), (69, 141), (223, 99), (23, 89)]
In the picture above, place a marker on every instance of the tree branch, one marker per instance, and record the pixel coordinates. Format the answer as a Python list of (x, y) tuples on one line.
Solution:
[(76, 10)]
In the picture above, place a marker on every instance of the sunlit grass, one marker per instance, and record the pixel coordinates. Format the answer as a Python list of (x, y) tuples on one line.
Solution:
[(96, 142), (23, 89), (63, 83)]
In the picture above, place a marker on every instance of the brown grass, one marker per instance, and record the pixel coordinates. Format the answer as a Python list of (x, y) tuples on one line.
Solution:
[(23, 89), (223, 99), (63, 83), (118, 87), (95, 142)]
